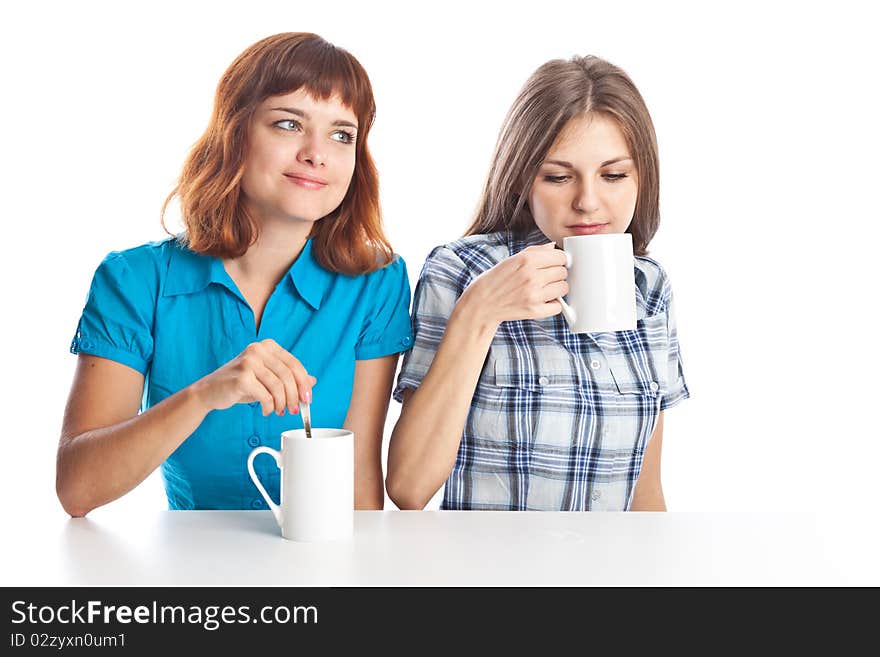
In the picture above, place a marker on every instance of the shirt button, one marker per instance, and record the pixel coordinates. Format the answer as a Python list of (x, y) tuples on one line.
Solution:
[(654, 386), (596, 494), (543, 380), (257, 504), (595, 364), (254, 441), (406, 341)]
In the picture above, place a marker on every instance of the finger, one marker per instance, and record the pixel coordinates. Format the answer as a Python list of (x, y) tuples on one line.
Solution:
[(555, 290), (545, 255), (256, 391), (285, 374), (274, 385), (304, 381), (548, 310), (549, 275)]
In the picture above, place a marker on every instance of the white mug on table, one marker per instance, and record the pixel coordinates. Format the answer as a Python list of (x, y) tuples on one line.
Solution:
[(601, 283), (317, 484)]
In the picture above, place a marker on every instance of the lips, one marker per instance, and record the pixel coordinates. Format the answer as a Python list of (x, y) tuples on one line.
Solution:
[(587, 229), (308, 182)]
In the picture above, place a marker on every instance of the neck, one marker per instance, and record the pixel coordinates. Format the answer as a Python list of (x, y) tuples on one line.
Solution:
[(276, 249)]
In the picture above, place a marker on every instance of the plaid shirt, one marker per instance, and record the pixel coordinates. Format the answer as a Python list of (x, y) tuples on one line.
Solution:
[(558, 421)]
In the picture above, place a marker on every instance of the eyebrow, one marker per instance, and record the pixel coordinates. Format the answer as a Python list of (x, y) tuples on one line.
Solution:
[(569, 165), (297, 112)]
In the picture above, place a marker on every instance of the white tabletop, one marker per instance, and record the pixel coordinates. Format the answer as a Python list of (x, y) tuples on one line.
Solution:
[(444, 548)]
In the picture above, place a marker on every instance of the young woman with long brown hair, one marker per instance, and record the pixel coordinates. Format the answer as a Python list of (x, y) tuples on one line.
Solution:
[(282, 284), (501, 401)]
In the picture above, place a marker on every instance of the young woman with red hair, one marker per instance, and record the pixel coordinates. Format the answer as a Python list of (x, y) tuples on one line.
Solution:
[(282, 283)]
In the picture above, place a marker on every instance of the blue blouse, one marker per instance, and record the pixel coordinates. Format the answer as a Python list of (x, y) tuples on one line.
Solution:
[(175, 316)]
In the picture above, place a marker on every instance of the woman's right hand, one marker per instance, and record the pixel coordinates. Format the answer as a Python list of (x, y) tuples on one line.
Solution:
[(264, 372), (523, 286)]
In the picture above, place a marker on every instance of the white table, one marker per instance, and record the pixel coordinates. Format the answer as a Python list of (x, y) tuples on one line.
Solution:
[(440, 548)]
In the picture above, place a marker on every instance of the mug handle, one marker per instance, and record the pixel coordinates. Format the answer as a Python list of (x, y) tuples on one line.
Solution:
[(567, 311), (276, 510)]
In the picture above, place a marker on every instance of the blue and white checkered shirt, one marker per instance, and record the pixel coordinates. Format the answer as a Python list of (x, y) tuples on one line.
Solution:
[(558, 421)]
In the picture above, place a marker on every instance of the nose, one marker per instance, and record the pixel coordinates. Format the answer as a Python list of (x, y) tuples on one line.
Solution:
[(586, 199), (312, 152)]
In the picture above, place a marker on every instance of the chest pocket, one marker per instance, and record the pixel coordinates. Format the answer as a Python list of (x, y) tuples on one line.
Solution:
[(640, 363), (543, 376)]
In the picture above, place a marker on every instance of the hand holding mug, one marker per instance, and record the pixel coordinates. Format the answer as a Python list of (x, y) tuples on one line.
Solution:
[(264, 372), (524, 286)]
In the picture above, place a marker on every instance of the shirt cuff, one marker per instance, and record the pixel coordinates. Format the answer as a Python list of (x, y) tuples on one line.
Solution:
[(384, 347), (676, 395), (93, 347), (404, 383)]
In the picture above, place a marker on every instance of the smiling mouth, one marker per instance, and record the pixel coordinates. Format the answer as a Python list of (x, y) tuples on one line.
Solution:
[(305, 181)]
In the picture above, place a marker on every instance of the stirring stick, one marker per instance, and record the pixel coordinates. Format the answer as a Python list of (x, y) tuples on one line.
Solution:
[(307, 418)]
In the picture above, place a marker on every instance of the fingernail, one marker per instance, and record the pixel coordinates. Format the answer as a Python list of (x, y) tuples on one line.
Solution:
[(308, 396), (282, 411), (295, 411)]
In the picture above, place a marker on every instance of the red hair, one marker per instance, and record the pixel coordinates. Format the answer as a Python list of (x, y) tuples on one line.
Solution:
[(350, 239)]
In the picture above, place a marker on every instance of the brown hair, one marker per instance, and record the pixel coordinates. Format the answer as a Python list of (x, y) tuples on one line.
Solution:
[(349, 239), (557, 92)]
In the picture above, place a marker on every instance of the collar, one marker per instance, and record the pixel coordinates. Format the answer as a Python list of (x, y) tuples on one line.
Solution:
[(190, 272), (515, 243), (309, 278)]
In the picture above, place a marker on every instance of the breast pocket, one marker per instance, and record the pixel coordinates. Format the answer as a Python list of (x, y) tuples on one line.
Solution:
[(537, 401), (542, 376), (639, 364)]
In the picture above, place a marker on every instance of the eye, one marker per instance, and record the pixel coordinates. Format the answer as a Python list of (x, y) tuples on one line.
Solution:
[(288, 125), (614, 177), (343, 137), (556, 179)]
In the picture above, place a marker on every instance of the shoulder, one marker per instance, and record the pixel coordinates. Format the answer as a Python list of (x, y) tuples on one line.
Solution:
[(394, 269), (140, 266), (653, 283), (387, 278), (474, 253), (145, 257)]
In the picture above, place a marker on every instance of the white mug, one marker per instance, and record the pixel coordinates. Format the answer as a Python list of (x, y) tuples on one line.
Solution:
[(601, 283), (317, 484)]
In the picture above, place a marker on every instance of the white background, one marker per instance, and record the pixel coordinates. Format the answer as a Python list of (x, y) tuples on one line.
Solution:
[(766, 116)]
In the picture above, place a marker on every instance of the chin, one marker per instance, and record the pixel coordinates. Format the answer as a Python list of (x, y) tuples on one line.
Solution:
[(300, 214)]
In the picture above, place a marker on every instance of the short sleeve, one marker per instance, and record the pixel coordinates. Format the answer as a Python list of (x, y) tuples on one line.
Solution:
[(677, 389), (386, 327), (442, 280), (116, 322)]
